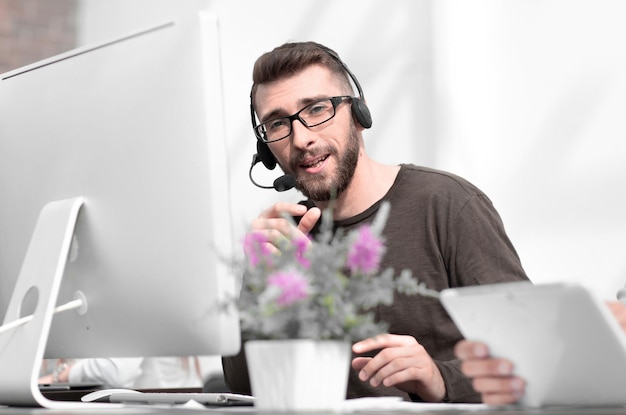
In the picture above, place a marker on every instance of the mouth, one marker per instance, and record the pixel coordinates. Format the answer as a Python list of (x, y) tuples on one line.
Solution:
[(314, 162)]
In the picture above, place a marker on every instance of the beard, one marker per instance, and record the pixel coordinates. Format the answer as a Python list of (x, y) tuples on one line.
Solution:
[(322, 188)]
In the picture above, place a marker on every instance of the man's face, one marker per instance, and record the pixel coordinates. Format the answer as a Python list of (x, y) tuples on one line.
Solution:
[(322, 158)]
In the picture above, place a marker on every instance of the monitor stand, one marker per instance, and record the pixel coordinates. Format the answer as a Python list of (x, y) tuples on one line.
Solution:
[(36, 292)]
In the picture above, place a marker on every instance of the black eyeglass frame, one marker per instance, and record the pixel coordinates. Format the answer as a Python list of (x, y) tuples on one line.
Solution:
[(335, 101)]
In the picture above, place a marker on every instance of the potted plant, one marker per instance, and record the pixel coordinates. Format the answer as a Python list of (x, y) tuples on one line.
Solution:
[(301, 309)]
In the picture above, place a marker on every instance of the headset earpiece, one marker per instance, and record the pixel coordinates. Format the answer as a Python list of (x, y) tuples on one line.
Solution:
[(361, 112), (263, 152), (265, 155)]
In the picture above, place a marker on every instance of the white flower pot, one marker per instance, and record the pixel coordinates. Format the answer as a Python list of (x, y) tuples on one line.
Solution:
[(298, 375)]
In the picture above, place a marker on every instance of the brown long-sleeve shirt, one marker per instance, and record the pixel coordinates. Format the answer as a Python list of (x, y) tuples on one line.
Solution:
[(449, 234)]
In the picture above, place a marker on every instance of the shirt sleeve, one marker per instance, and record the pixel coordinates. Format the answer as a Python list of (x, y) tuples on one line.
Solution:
[(117, 373), (458, 386), (479, 250)]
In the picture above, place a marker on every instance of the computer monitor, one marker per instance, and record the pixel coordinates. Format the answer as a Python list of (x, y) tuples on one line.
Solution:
[(126, 139)]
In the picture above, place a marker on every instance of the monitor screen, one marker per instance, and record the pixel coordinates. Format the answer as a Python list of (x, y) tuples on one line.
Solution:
[(135, 128)]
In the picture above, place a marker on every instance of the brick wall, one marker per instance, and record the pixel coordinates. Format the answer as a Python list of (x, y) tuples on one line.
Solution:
[(31, 30)]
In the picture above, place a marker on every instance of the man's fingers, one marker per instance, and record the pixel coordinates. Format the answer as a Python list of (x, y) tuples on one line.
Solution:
[(500, 391), (309, 219), (382, 341), (466, 349), (359, 363), (283, 208), (487, 367)]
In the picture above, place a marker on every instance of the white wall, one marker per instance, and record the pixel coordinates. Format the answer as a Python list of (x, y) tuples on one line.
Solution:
[(530, 102), (525, 98)]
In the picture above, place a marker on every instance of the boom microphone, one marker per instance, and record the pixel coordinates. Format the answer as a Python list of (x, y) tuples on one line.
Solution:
[(284, 182), (281, 184)]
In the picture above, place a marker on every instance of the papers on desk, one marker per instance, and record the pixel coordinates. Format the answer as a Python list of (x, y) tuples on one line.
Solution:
[(371, 404), (396, 404)]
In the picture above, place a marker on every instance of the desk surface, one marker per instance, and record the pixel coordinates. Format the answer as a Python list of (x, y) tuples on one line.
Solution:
[(444, 410), (366, 406)]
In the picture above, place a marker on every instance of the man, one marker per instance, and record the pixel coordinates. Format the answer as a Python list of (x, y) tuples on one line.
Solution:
[(441, 227), (495, 378)]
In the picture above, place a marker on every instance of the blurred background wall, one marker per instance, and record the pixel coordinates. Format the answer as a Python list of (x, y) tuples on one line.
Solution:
[(34, 29), (524, 98)]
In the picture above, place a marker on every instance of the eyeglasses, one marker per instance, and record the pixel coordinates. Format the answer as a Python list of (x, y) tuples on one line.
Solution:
[(312, 115)]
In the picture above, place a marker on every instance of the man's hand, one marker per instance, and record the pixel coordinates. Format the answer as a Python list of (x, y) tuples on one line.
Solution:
[(276, 227), (492, 378), (401, 362), (619, 311)]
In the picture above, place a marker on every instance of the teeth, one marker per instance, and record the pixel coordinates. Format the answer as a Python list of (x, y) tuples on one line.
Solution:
[(317, 163)]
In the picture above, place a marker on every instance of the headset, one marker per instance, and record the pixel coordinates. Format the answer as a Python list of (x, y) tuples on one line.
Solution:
[(360, 112)]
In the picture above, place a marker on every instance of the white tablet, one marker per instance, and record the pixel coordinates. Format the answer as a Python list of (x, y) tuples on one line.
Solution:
[(561, 338)]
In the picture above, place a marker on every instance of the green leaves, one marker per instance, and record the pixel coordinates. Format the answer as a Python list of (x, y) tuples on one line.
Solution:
[(327, 288)]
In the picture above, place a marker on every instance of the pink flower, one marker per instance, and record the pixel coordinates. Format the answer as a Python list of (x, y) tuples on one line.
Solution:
[(293, 287), (366, 252), (301, 245), (256, 249)]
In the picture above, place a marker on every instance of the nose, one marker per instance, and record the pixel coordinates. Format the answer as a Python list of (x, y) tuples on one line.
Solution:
[(301, 136)]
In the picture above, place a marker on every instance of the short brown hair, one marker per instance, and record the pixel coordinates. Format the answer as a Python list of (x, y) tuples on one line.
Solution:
[(290, 58)]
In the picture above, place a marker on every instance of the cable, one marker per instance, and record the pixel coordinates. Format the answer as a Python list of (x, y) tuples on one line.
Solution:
[(71, 305)]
